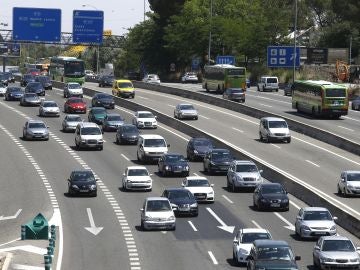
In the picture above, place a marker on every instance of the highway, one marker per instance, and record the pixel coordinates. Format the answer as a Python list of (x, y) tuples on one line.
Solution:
[(275, 102), (196, 245)]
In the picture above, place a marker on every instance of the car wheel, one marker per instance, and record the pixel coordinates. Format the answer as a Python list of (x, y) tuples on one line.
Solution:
[(339, 190), (261, 137), (142, 226), (288, 140), (228, 185), (124, 187), (24, 137), (70, 193), (196, 118), (233, 187), (235, 260), (101, 148), (137, 155)]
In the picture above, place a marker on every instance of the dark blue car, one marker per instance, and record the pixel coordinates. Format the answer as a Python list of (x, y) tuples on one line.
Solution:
[(173, 164), (13, 93), (197, 148), (35, 87), (182, 201)]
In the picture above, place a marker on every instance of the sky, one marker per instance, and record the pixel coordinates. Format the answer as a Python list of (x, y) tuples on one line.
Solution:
[(119, 15)]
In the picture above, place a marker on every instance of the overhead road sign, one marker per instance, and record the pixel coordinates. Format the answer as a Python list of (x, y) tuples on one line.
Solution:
[(36, 24), (225, 59), (88, 26), (317, 56), (9, 49), (283, 56)]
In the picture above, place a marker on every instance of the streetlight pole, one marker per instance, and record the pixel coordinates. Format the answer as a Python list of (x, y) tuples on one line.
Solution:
[(209, 49), (294, 56), (144, 11)]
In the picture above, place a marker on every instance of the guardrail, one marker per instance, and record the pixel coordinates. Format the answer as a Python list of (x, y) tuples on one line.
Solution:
[(295, 186), (308, 130)]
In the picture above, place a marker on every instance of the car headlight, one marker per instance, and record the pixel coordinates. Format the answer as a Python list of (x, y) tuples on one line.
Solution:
[(147, 218), (155, 123), (148, 181), (128, 181), (186, 168), (355, 260), (349, 185), (75, 186), (100, 140), (243, 251), (325, 259), (171, 218), (83, 141), (211, 193), (212, 163), (140, 122), (93, 187), (333, 228), (263, 200), (146, 152), (303, 227), (285, 200), (167, 168), (196, 152), (194, 205)]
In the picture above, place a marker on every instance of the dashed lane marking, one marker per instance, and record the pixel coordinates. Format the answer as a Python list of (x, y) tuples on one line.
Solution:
[(212, 257)]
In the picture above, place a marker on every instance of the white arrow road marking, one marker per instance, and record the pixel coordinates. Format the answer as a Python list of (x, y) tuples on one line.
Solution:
[(223, 226), (93, 229), (25, 267), (289, 226), (27, 248), (11, 217)]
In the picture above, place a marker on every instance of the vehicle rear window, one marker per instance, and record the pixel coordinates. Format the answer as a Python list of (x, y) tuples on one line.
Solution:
[(272, 80), (336, 92), (236, 72), (251, 237)]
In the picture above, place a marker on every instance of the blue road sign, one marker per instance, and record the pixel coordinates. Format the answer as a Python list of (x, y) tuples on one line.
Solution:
[(195, 63), (283, 56), (225, 59), (10, 49), (88, 26), (36, 24)]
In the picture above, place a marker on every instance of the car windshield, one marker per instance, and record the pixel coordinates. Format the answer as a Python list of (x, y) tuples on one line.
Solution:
[(198, 183), (14, 89), (73, 118), (114, 118), (138, 172), (220, 155), (246, 168), (271, 189), (75, 100), (353, 177), (35, 86), (44, 79), (236, 91), (103, 96), (99, 111), (179, 194), (129, 129), (83, 176), (74, 86), (31, 95), (202, 143), (146, 115), (154, 143), (155, 206), (125, 85), (90, 131), (174, 158), (49, 104), (28, 76), (187, 107), (37, 125), (317, 215), (275, 253), (338, 245), (277, 124), (340, 92), (251, 237)]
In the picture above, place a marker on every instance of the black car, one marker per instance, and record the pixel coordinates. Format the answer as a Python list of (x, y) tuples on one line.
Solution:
[(112, 122), (217, 160), (4, 79), (182, 201), (45, 81), (27, 78), (13, 93), (106, 80), (103, 100), (127, 133), (9, 76), (270, 196), (355, 104), (82, 182), (35, 87), (272, 254), (234, 94), (134, 76), (197, 148), (30, 99), (173, 164), (288, 89)]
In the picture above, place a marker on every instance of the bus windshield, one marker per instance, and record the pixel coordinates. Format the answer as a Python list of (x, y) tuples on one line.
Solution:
[(336, 92), (74, 69)]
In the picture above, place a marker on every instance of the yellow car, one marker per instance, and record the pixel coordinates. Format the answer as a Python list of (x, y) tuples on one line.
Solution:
[(123, 88)]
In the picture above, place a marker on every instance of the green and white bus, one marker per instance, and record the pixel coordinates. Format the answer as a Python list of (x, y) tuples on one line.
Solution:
[(67, 69), (320, 98), (221, 77)]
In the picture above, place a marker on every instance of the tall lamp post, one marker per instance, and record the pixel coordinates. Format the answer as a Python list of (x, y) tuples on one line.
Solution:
[(295, 26), (209, 48), (98, 47)]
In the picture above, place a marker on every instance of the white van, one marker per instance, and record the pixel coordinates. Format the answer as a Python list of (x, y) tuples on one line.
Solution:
[(268, 83), (151, 147), (89, 135), (274, 129)]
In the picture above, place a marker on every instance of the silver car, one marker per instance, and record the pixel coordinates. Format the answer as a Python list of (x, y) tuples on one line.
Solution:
[(243, 174), (35, 130), (70, 122), (336, 252), (349, 183), (49, 108), (31, 99), (185, 111), (314, 222)]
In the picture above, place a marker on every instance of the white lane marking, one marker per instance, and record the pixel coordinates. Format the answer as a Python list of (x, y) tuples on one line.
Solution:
[(226, 198), (349, 129), (281, 101), (265, 105), (275, 145), (312, 163), (172, 106), (288, 223), (256, 224), (7, 243), (350, 118), (125, 157), (192, 226), (25, 267), (142, 97), (212, 257), (207, 118), (295, 205), (239, 130), (195, 174)]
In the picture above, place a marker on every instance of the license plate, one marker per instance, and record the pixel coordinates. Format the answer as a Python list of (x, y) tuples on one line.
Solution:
[(275, 205), (84, 190), (184, 208), (319, 233), (37, 136), (201, 197)]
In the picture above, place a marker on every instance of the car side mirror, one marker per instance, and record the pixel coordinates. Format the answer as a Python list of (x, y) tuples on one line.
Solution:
[(358, 249), (155, 117), (335, 218), (124, 174), (297, 258), (47, 127), (174, 206), (141, 209), (182, 184), (317, 248), (261, 171), (342, 179), (236, 241), (168, 145), (211, 185), (151, 174)]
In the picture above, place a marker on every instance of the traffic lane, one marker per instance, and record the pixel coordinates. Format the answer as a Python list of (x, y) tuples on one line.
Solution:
[(303, 152), (79, 244), (21, 189)]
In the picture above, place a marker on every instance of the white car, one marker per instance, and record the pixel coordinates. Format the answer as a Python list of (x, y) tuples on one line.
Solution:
[(185, 111), (72, 89), (157, 213), (152, 78), (200, 187), (349, 183), (190, 77), (136, 178), (144, 119), (151, 147), (243, 241), (49, 108), (2, 89)]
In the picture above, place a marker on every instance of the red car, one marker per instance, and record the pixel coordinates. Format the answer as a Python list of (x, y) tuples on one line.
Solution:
[(75, 105), (34, 71)]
